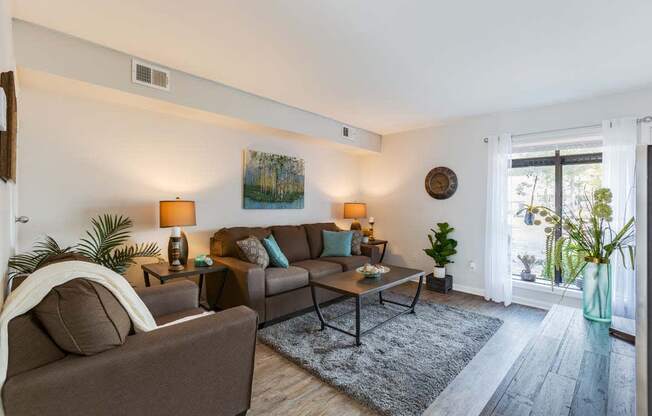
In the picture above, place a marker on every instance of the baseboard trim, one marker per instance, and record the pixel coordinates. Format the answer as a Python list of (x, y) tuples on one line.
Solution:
[(515, 299), (468, 289)]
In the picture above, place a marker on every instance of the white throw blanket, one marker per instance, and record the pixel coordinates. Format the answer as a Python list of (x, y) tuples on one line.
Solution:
[(38, 285)]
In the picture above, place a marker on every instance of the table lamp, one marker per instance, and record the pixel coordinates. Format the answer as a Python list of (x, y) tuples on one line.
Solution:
[(176, 214), (355, 211)]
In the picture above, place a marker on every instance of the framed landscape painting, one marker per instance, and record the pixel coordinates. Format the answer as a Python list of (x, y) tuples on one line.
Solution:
[(272, 181)]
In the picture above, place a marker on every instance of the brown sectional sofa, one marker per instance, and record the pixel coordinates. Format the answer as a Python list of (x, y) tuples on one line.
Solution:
[(276, 292)]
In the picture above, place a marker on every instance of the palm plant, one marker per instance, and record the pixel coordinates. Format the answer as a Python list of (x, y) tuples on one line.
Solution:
[(105, 244), (26, 263)]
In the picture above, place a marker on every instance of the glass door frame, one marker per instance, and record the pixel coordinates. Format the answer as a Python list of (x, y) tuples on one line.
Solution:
[(558, 161)]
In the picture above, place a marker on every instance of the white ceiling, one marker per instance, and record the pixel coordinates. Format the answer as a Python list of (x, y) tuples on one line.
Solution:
[(384, 65)]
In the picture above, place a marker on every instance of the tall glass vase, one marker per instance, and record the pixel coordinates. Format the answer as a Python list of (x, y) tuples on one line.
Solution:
[(596, 296)]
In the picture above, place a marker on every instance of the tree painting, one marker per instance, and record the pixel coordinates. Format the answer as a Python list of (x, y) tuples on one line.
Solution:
[(273, 181)]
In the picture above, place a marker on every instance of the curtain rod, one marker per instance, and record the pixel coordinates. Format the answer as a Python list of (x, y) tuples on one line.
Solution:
[(646, 119)]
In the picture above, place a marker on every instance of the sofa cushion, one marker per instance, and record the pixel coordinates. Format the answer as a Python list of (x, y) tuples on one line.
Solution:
[(83, 317), (279, 280), (29, 345), (276, 256), (254, 251), (293, 241), (348, 263), (317, 268), (224, 242), (315, 239), (337, 243)]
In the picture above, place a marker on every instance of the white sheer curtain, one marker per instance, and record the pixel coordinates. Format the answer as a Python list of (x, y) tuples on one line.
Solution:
[(497, 278), (619, 175)]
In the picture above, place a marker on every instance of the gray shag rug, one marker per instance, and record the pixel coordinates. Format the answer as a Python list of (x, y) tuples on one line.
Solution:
[(401, 367)]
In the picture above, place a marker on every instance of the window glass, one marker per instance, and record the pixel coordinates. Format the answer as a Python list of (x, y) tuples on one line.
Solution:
[(528, 241)]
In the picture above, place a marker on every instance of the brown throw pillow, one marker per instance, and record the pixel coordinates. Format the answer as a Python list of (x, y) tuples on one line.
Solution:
[(254, 251), (83, 317), (356, 242)]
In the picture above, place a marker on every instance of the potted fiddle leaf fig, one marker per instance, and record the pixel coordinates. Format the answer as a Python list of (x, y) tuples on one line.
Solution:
[(441, 249)]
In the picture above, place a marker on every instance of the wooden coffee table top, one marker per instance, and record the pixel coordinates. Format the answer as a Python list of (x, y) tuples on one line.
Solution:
[(355, 284)]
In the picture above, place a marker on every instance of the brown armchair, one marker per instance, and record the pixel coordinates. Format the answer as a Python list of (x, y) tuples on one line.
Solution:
[(199, 367)]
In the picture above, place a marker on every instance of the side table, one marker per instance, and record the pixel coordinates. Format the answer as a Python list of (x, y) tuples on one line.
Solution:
[(378, 242), (161, 272)]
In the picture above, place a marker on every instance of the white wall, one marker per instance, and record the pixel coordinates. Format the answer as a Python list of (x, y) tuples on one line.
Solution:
[(7, 190), (78, 59), (393, 182), (82, 155)]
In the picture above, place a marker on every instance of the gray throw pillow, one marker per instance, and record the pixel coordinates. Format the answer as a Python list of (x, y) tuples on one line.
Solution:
[(356, 242), (83, 317), (254, 251)]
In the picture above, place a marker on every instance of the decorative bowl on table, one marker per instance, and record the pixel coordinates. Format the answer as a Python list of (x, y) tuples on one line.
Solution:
[(371, 271)]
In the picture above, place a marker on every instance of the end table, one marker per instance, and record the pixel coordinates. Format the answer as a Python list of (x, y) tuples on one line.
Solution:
[(161, 272), (378, 242)]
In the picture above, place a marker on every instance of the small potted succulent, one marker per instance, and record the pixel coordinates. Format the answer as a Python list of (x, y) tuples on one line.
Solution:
[(528, 261), (441, 248)]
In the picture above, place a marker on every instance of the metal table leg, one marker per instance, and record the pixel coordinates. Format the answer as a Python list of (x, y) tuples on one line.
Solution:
[(317, 308), (358, 306)]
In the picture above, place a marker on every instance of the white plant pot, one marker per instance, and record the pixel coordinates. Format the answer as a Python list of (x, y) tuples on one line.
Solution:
[(439, 272)]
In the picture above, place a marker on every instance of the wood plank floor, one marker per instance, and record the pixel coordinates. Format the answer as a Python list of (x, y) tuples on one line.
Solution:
[(282, 388)]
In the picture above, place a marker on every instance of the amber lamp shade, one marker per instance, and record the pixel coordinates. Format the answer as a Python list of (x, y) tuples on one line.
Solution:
[(354, 211), (176, 214)]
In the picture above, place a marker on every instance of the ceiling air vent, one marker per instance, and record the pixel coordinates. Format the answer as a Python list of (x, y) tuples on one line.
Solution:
[(348, 133), (150, 75)]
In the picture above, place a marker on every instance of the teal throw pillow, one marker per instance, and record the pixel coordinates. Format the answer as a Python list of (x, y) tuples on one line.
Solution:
[(337, 243), (276, 256)]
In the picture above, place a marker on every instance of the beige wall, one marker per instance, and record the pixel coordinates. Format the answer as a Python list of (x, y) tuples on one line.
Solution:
[(82, 155)]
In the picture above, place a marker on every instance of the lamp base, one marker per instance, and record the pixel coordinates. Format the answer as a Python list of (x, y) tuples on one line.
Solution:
[(355, 225), (183, 249), (176, 267), (174, 254)]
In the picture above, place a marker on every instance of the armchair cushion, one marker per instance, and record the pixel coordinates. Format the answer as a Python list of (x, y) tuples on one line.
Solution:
[(83, 317)]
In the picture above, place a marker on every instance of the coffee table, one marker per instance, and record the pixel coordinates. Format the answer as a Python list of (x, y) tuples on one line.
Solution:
[(355, 285)]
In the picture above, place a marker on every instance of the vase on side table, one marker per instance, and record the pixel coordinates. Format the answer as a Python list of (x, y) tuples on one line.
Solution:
[(596, 292)]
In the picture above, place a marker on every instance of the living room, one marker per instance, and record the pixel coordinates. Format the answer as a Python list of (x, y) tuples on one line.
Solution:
[(353, 207)]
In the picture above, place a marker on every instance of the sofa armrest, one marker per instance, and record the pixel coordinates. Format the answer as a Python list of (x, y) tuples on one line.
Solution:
[(244, 285), (371, 251), (199, 367), (170, 298)]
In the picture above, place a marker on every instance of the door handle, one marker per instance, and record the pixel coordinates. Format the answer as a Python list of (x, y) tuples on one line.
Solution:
[(22, 219)]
